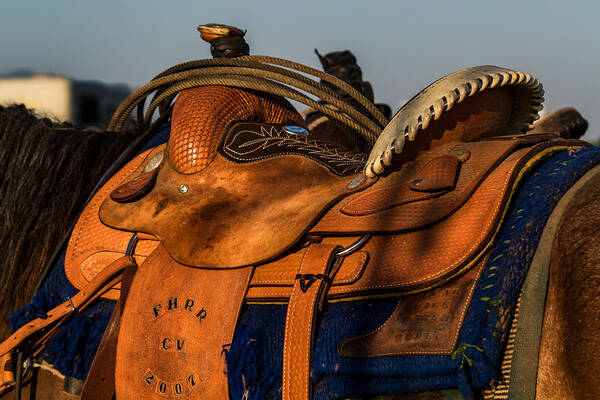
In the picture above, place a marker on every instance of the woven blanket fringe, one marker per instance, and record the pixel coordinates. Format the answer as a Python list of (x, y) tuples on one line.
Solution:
[(473, 369), (250, 382)]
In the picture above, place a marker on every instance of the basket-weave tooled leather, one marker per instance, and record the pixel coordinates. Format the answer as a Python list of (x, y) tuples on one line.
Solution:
[(200, 115)]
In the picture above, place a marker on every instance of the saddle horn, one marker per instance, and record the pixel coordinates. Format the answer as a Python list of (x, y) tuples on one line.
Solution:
[(200, 116), (225, 41)]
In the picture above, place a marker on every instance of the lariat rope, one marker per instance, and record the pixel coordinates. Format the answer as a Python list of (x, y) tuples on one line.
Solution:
[(260, 73)]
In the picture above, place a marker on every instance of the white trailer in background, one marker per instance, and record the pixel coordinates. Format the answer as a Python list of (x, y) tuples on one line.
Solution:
[(88, 103)]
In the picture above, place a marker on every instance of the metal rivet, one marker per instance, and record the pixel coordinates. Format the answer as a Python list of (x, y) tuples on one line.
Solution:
[(183, 189), (417, 182), (355, 182), (295, 130), (154, 162)]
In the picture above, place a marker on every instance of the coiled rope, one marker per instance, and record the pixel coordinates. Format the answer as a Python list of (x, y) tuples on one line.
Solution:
[(267, 74)]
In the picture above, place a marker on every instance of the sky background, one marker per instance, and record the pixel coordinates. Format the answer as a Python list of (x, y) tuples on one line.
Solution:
[(401, 46)]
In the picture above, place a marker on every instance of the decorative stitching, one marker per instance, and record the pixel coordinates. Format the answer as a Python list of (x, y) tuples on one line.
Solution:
[(357, 269), (313, 295), (273, 141), (530, 163), (77, 252), (463, 312)]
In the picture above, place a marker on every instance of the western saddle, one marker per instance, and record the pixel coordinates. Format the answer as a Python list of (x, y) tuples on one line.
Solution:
[(243, 205)]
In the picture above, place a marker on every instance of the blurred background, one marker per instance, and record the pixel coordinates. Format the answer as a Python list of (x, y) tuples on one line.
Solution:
[(89, 55)]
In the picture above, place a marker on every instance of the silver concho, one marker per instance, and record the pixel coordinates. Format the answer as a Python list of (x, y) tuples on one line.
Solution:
[(295, 130), (355, 182), (154, 162)]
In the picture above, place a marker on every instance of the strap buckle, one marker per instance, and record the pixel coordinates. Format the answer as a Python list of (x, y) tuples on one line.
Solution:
[(73, 310), (131, 245), (306, 280)]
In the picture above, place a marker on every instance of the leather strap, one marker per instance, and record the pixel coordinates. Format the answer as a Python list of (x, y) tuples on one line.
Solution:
[(7, 373), (311, 285), (100, 383), (48, 326)]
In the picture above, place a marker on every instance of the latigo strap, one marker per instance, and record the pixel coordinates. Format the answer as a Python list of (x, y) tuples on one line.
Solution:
[(40, 330), (100, 383), (310, 288)]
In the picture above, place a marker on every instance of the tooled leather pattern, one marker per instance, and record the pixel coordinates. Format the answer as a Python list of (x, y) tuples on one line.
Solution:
[(200, 115), (248, 142), (93, 245)]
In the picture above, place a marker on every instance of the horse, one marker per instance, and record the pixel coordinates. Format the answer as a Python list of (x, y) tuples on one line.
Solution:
[(80, 160), (49, 169)]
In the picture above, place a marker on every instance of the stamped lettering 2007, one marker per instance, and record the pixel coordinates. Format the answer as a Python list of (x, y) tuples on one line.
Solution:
[(164, 388), (189, 381)]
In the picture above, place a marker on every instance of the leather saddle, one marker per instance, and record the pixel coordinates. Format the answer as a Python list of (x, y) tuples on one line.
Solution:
[(243, 205)]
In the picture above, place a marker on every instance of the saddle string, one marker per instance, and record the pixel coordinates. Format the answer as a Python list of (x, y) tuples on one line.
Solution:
[(262, 77), (19, 376), (22, 368)]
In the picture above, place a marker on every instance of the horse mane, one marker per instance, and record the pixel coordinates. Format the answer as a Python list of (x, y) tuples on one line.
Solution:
[(47, 172)]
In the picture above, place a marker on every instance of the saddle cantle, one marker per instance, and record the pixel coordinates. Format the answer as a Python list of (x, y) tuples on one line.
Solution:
[(237, 208), (505, 101)]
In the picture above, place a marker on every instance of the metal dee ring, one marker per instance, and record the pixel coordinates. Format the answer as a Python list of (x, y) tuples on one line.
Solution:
[(131, 246), (71, 304), (346, 251)]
